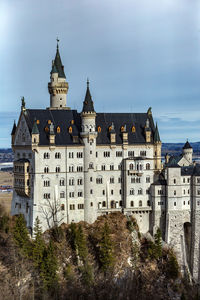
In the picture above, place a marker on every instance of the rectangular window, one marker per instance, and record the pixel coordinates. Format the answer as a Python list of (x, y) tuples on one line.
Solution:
[(130, 153), (80, 206), (72, 207), (118, 153)]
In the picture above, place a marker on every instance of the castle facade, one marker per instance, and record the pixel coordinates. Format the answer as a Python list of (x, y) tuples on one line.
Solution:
[(71, 166)]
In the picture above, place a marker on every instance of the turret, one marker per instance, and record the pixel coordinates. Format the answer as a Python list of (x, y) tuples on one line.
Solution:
[(157, 149), (58, 87), (89, 135), (187, 152)]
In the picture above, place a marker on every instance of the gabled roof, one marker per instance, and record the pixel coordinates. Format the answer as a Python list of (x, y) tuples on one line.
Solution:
[(57, 66), (174, 160), (187, 146), (88, 105)]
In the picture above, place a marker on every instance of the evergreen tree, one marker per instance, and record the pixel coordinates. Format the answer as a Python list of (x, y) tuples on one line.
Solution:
[(21, 235), (106, 250), (38, 244), (172, 267), (81, 243), (49, 268), (72, 236), (158, 244)]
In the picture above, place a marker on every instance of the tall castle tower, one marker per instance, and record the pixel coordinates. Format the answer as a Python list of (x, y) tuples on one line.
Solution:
[(89, 135), (58, 87)]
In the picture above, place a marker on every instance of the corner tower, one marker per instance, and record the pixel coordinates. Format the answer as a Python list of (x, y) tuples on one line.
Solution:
[(58, 87), (89, 135)]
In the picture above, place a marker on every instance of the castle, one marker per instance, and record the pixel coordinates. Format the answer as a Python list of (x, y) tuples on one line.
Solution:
[(71, 166)]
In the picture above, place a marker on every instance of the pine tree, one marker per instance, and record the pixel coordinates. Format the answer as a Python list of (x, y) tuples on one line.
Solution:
[(81, 244), (21, 235), (172, 267), (49, 268), (158, 244), (38, 244), (106, 250)]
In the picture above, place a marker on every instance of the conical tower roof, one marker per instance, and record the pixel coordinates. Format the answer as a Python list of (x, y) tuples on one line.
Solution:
[(156, 135), (14, 128), (187, 146), (88, 105), (57, 66)]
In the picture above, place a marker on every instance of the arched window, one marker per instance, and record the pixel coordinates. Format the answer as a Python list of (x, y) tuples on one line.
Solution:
[(140, 192), (62, 194), (112, 204), (57, 169), (46, 155), (91, 165), (131, 167), (132, 203), (57, 155), (71, 181), (131, 191), (140, 203), (133, 129), (46, 170), (104, 204), (99, 180), (148, 166), (62, 182), (99, 129), (112, 179)]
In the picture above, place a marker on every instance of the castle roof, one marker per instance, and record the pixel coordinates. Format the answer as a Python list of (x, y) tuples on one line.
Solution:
[(156, 135), (187, 146), (57, 66), (88, 105), (14, 128), (65, 118)]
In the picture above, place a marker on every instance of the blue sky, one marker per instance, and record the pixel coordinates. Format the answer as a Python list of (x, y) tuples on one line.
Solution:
[(136, 54)]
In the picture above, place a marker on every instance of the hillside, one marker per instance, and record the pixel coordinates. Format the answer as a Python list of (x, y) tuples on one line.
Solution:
[(108, 259)]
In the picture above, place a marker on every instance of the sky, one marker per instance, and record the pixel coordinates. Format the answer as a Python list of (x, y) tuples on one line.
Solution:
[(136, 54)]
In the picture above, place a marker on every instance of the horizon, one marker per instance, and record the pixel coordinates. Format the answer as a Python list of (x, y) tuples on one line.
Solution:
[(136, 55)]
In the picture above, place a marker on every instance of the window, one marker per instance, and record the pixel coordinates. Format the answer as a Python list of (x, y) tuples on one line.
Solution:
[(132, 179), (46, 183), (111, 167), (71, 194), (120, 167), (99, 129), (91, 204), (80, 194), (133, 129), (106, 154), (47, 196), (138, 180), (79, 169), (174, 181), (57, 155), (120, 203), (62, 207), (71, 168), (198, 180), (104, 204), (91, 192), (140, 203), (183, 180), (174, 203), (62, 182), (112, 204), (184, 192), (160, 192), (80, 181), (130, 153), (72, 207), (70, 129), (79, 154), (62, 195), (90, 152), (120, 191), (80, 206), (46, 170), (188, 180), (103, 167), (99, 180), (91, 165), (120, 180), (111, 192), (57, 169), (58, 129), (183, 202), (174, 193), (148, 203), (148, 179), (198, 192), (188, 192), (142, 153), (140, 192), (118, 153), (112, 180), (132, 204), (71, 155), (103, 192), (71, 181), (90, 179), (131, 167), (46, 155), (131, 191), (148, 166), (148, 191)]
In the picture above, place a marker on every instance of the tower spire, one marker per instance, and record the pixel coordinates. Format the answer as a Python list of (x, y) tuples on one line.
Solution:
[(88, 105)]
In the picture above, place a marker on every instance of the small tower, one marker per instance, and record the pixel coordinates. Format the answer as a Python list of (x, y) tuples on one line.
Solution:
[(157, 150), (89, 135), (187, 152), (58, 87), (35, 134)]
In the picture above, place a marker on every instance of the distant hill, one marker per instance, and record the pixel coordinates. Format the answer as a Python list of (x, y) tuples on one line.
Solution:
[(175, 148)]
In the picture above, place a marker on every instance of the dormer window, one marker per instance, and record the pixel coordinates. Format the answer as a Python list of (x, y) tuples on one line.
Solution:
[(109, 128), (49, 122), (46, 129), (70, 129), (38, 121), (58, 129), (133, 129), (72, 122), (122, 129), (99, 129)]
